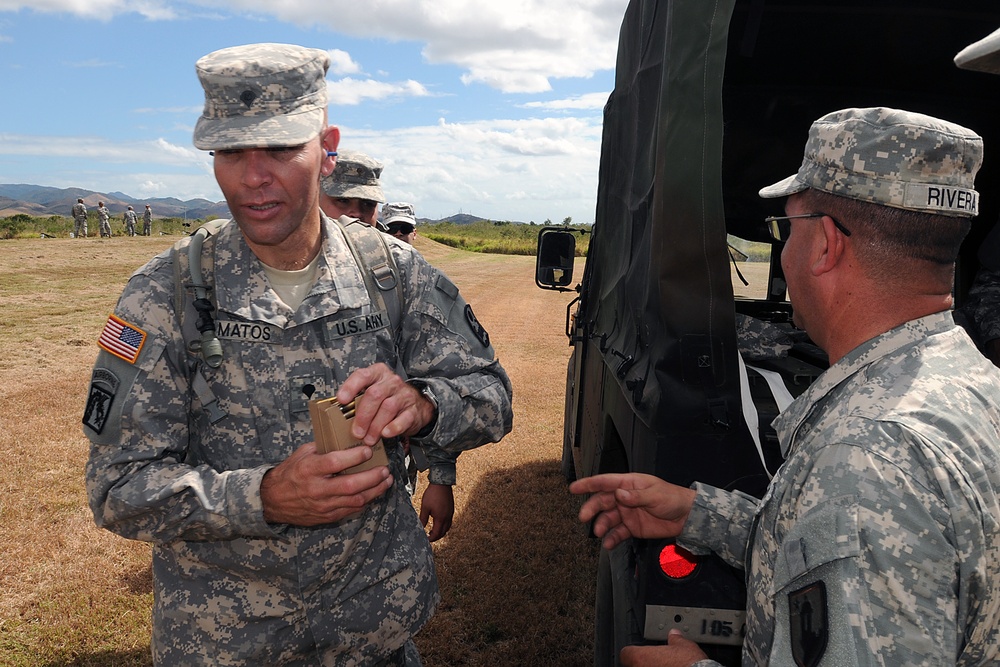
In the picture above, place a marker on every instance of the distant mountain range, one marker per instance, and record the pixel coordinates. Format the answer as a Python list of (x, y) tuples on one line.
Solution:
[(41, 201)]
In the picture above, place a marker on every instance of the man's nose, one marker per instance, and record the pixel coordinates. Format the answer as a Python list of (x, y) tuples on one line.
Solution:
[(256, 168)]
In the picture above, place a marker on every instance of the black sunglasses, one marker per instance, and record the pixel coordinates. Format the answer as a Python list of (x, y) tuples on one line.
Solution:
[(780, 226)]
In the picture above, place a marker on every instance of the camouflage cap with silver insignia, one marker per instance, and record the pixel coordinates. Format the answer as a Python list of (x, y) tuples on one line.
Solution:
[(891, 157), (261, 96), (355, 176), (399, 212), (981, 56)]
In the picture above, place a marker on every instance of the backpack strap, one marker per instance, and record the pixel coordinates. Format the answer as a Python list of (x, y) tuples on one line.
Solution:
[(378, 268), (199, 336)]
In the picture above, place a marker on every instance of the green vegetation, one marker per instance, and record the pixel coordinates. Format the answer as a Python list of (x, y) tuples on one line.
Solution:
[(503, 238)]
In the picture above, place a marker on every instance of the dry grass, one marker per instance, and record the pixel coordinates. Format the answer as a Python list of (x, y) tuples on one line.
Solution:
[(516, 571)]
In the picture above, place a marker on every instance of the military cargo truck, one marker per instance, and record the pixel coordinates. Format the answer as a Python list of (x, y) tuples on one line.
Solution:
[(712, 101)]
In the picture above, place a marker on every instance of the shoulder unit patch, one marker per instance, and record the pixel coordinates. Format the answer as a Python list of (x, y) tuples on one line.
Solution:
[(810, 628), (477, 329), (103, 387)]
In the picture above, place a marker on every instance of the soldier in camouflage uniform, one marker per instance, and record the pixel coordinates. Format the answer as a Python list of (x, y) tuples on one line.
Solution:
[(79, 219), (104, 215), (877, 542), (147, 221), (400, 220), (354, 189), (130, 219), (983, 304), (264, 551)]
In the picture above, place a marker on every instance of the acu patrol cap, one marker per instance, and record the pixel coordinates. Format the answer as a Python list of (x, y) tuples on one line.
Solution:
[(356, 177), (401, 215), (981, 56), (261, 96), (890, 157)]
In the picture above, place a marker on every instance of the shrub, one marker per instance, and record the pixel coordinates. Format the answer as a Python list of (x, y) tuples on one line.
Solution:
[(11, 226)]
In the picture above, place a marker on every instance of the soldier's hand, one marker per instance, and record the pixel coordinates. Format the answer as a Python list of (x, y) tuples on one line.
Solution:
[(437, 505), (633, 505), (680, 652), (388, 406), (306, 490)]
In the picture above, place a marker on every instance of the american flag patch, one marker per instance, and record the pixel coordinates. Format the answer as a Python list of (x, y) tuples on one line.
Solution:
[(122, 339)]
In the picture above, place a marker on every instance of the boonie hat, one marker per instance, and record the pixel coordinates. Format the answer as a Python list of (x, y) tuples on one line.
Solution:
[(261, 96), (890, 157), (401, 214), (981, 56), (355, 176)]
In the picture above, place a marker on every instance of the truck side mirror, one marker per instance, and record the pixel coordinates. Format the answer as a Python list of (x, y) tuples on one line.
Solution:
[(554, 258)]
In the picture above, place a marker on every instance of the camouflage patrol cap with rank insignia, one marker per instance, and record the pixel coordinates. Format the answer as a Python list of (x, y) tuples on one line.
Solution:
[(890, 157), (261, 96), (355, 177)]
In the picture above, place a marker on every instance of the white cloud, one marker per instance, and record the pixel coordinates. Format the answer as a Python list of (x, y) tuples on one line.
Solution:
[(158, 151), (585, 102), (92, 63), (342, 63), (104, 10), (350, 91), (513, 46), (524, 170), (504, 170)]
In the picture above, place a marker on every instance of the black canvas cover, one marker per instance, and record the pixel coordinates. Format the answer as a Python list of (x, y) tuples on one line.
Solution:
[(713, 101)]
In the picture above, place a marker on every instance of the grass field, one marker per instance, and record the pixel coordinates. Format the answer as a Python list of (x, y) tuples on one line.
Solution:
[(516, 570)]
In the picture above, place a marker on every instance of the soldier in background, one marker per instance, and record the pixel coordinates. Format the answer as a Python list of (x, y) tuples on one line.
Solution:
[(79, 219), (437, 505), (104, 215), (983, 304), (400, 221), (353, 189), (879, 535), (147, 221), (130, 219), (266, 552)]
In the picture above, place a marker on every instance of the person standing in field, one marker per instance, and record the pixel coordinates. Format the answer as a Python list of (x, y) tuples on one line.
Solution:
[(104, 215), (266, 552), (79, 219), (130, 219), (147, 221)]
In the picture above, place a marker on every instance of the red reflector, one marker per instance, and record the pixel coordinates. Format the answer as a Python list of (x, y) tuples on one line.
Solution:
[(677, 563)]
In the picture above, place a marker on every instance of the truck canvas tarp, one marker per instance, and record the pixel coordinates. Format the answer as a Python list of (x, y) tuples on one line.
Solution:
[(712, 101)]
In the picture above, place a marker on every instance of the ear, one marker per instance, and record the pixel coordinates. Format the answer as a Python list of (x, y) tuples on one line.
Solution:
[(829, 248), (330, 139)]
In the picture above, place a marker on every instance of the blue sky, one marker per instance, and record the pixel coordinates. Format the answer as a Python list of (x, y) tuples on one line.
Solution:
[(482, 107)]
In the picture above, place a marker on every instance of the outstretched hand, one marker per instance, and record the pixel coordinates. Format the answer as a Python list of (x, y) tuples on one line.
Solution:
[(386, 405), (633, 505)]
